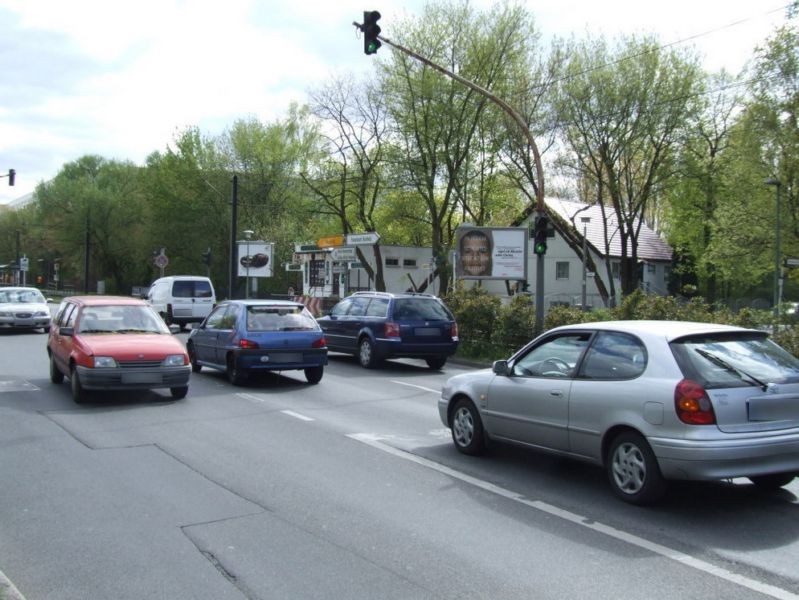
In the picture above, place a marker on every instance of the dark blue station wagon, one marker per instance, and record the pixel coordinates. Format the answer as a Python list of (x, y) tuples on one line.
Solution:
[(377, 325)]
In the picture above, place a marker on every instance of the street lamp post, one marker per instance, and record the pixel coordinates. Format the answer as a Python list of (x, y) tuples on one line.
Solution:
[(247, 235), (777, 270), (584, 299)]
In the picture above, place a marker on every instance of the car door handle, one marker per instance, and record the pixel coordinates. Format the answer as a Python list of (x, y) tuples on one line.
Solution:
[(555, 392)]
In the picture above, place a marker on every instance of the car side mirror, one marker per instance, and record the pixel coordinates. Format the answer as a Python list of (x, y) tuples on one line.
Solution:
[(174, 328), (500, 367), (67, 331)]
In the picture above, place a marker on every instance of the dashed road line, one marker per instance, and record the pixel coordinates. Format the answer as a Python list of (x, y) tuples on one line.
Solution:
[(418, 387), (550, 509), (296, 415)]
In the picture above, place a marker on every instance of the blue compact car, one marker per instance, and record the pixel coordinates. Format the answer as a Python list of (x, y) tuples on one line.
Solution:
[(241, 337)]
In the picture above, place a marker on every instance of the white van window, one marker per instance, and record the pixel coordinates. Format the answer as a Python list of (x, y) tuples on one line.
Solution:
[(192, 289)]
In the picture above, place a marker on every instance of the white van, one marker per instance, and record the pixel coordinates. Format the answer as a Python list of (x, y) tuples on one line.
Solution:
[(182, 299)]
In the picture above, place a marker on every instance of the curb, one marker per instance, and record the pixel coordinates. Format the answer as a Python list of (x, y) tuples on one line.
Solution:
[(8, 590)]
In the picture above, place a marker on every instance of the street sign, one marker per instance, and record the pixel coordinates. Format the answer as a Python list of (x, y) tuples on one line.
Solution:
[(356, 265), (23, 263), (292, 267), (330, 241), (344, 253), (305, 248), (362, 239), (161, 261), (792, 262)]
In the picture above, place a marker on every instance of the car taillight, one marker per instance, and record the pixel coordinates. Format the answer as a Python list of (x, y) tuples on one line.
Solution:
[(320, 343), (247, 344), (692, 404), (392, 329), (454, 331)]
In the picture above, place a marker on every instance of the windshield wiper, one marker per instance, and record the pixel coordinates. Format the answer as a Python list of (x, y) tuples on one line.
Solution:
[(717, 360)]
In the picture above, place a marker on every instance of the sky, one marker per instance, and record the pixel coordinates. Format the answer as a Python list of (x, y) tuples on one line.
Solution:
[(120, 78)]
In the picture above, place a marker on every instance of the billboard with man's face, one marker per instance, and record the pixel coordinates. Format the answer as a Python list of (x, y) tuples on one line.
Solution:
[(491, 253)]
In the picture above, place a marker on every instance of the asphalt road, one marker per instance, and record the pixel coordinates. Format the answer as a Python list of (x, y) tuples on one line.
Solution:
[(347, 489)]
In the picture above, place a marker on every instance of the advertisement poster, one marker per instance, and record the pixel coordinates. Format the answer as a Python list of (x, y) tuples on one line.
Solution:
[(491, 253), (255, 258)]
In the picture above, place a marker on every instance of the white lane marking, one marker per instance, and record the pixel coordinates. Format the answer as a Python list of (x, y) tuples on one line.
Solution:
[(249, 397), (418, 387), (291, 413), (665, 551)]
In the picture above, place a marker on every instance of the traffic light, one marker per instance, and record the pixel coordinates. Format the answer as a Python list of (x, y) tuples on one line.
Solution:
[(12, 173), (540, 235), (371, 30), (207, 257)]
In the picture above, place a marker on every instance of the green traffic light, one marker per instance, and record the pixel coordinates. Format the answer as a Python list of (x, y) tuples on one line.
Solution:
[(540, 248), (371, 48)]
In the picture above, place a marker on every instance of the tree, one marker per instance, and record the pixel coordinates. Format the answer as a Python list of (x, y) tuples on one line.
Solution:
[(437, 120), (623, 111)]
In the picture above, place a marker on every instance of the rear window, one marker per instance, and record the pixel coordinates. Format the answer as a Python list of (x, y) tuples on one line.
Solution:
[(733, 360), (199, 288), (420, 309), (280, 318)]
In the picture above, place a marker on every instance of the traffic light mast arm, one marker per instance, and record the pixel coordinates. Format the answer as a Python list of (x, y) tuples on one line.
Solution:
[(539, 172)]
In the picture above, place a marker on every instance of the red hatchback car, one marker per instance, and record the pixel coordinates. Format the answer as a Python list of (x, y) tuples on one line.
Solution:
[(115, 343)]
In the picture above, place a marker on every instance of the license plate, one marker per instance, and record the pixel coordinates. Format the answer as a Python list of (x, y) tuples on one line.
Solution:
[(427, 331), (141, 378), (774, 409), (292, 357)]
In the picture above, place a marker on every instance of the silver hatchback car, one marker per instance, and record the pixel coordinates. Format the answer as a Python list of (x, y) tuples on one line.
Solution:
[(648, 400)]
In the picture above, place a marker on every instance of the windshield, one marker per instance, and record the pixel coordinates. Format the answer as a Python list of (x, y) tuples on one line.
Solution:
[(121, 319), (21, 297), (735, 360), (280, 318)]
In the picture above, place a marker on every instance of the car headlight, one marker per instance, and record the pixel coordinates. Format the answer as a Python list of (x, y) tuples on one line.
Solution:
[(41, 313), (104, 362), (4, 313), (174, 360)]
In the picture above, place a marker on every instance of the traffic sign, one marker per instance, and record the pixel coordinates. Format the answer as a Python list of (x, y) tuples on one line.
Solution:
[(330, 241), (362, 239), (161, 261), (23, 263), (343, 253), (792, 262)]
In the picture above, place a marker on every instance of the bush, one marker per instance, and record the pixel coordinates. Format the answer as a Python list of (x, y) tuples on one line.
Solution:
[(490, 331)]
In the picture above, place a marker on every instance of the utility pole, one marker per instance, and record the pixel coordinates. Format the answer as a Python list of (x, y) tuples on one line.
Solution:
[(517, 118), (234, 200)]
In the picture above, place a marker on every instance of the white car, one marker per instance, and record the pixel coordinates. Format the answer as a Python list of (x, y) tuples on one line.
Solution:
[(647, 400), (24, 308)]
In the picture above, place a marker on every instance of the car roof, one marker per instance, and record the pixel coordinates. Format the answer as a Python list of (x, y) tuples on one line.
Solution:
[(18, 288), (394, 295), (106, 300), (670, 330), (265, 302)]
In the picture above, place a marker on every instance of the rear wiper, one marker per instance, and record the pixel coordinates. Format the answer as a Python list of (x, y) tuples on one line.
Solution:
[(732, 369)]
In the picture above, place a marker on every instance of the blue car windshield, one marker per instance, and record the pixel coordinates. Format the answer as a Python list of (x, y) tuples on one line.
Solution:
[(280, 318)]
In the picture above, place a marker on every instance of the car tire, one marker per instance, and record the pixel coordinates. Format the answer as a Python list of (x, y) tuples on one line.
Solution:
[(78, 393), (235, 375), (178, 393), (195, 366), (772, 482), (436, 363), (468, 434), (633, 470), (46, 329), (56, 376), (314, 374), (366, 353)]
